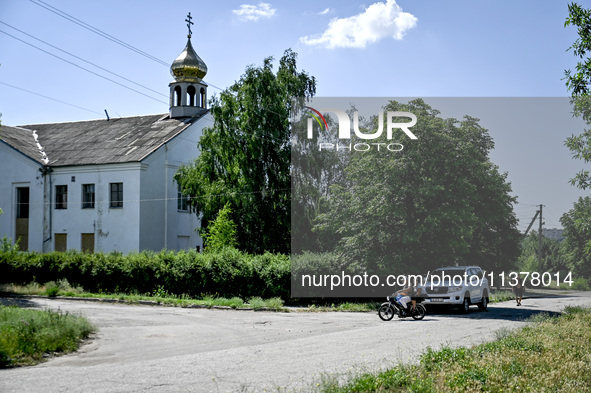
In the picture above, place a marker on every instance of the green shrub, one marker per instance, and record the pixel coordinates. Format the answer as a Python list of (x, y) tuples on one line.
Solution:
[(581, 284), (501, 296), (318, 264), (228, 273), (274, 303), (235, 302), (52, 291), (25, 335), (4, 359), (221, 233), (256, 302)]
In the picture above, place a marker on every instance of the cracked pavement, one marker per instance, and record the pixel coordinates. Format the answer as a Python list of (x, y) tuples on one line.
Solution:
[(169, 349)]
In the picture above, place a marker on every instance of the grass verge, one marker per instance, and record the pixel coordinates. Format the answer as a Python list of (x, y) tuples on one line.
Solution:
[(552, 354), (159, 295), (347, 306), (26, 335), (501, 296)]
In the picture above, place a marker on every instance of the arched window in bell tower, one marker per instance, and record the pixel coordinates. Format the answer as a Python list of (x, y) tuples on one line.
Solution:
[(202, 98), (177, 96), (191, 93)]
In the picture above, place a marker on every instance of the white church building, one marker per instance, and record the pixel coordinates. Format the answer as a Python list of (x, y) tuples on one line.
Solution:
[(106, 185)]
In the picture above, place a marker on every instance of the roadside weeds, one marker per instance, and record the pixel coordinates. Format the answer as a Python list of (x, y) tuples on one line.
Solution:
[(63, 290), (550, 354), (28, 336)]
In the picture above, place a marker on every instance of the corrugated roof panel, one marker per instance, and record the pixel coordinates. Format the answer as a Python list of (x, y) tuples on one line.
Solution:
[(116, 140)]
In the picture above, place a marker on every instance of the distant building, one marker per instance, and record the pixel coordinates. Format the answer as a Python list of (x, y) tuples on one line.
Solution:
[(106, 185), (553, 233)]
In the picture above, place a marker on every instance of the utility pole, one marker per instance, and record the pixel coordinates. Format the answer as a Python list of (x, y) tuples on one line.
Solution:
[(540, 242), (531, 223)]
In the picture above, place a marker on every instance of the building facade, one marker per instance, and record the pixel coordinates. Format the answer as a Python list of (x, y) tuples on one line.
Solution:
[(106, 185)]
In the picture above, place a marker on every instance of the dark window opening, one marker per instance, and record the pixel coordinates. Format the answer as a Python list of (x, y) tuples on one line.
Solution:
[(116, 194), (61, 197), (88, 196), (177, 94), (191, 93), (22, 202)]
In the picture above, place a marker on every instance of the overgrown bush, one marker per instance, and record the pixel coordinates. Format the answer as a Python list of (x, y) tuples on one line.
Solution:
[(318, 264), (227, 273), (581, 284), (25, 335)]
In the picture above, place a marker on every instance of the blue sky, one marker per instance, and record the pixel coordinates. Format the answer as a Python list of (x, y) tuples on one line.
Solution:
[(432, 48)]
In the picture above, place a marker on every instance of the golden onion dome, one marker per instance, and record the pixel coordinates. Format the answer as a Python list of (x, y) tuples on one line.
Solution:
[(188, 66)]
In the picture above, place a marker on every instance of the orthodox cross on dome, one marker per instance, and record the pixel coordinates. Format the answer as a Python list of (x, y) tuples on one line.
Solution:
[(189, 23)]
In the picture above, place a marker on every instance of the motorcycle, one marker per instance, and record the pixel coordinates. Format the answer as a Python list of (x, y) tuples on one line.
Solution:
[(390, 308)]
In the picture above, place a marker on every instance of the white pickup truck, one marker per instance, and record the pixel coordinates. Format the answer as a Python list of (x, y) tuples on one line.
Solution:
[(458, 286)]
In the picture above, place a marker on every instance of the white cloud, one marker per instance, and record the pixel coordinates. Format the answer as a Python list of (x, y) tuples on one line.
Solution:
[(326, 11), (378, 21), (248, 12)]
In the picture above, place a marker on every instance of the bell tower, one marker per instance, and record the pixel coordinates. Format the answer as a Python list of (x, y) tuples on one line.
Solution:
[(188, 92)]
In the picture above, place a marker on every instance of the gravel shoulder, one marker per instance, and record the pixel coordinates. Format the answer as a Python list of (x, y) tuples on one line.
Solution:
[(167, 349)]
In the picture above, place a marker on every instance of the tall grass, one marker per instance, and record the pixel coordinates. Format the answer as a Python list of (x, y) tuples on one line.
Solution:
[(26, 335), (550, 355), (501, 296)]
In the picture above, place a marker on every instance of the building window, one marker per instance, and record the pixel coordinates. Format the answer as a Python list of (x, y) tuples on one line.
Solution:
[(61, 197), (182, 201), (191, 93), (202, 99), (22, 202), (87, 242), (88, 196), (61, 242), (177, 96), (116, 194)]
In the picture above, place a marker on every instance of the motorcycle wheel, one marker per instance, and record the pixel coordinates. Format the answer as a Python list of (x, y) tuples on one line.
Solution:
[(386, 312), (419, 312)]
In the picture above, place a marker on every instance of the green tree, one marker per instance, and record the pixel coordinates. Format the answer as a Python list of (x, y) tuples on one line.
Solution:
[(578, 84), (438, 202), (222, 231), (580, 145), (577, 221), (0, 135), (313, 172), (577, 231), (245, 155), (554, 258)]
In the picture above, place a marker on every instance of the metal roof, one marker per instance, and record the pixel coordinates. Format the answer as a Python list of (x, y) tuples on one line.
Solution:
[(23, 141), (117, 140)]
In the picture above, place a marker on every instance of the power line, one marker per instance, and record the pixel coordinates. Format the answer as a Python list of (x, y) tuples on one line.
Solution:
[(95, 30), (555, 219), (82, 68), (50, 98), (81, 59), (105, 35), (525, 204)]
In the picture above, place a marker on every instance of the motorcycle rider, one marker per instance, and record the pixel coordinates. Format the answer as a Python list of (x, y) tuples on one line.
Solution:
[(405, 295)]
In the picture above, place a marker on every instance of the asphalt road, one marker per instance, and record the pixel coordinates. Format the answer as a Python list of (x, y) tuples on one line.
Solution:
[(165, 349)]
